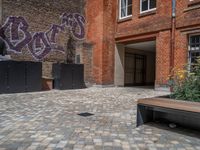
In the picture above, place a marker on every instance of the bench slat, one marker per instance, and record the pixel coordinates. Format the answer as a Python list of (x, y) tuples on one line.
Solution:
[(173, 104)]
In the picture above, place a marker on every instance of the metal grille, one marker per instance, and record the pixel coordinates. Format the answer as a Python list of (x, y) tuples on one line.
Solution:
[(85, 114)]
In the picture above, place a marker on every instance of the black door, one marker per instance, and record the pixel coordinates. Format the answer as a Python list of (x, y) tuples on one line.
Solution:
[(135, 69)]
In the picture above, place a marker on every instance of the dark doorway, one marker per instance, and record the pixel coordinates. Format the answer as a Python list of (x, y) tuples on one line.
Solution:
[(135, 69)]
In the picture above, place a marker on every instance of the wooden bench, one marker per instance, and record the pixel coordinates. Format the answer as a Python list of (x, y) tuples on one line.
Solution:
[(183, 113)]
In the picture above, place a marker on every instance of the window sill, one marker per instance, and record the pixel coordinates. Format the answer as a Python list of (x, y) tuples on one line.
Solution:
[(193, 3), (193, 7), (152, 12), (124, 19)]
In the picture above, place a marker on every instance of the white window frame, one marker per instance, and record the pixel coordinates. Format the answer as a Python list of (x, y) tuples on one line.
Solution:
[(148, 10), (127, 16), (189, 50)]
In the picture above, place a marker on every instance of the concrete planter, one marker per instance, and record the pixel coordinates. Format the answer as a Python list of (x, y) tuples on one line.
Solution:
[(183, 113)]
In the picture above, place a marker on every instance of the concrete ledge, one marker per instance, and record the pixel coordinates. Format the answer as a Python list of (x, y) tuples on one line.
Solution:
[(103, 86), (164, 88)]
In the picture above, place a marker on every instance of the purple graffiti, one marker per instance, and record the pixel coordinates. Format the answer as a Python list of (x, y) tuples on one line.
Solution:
[(76, 24), (39, 45), (16, 35), (52, 35), (15, 26)]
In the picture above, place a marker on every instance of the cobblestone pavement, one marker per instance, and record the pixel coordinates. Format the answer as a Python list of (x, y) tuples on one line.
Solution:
[(49, 120)]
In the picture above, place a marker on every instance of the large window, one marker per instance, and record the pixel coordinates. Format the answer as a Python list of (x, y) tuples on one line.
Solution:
[(194, 48), (147, 5), (125, 9)]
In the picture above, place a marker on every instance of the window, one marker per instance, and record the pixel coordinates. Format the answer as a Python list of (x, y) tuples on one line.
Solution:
[(194, 48), (147, 5), (125, 9)]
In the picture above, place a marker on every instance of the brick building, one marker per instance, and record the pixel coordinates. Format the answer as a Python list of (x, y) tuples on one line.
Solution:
[(138, 42)]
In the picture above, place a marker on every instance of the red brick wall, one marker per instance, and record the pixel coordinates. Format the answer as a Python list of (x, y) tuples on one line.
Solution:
[(108, 41), (187, 22), (156, 25), (94, 30), (181, 50), (101, 15), (163, 48), (104, 29), (187, 16), (145, 23)]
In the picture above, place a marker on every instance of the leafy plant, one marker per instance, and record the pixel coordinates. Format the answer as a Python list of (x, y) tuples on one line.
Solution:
[(185, 84)]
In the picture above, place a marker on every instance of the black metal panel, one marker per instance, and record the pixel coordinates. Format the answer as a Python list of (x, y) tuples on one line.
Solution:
[(3, 76), (56, 76), (78, 76), (56, 71), (33, 76), (16, 76), (144, 115), (148, 113), (68, 76)]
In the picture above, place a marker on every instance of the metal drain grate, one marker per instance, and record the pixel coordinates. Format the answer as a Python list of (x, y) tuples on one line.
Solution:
[(85, 114)]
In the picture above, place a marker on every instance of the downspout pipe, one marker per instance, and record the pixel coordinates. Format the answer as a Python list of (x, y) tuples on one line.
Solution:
[(173, 8), (173, 29), (1, 12)]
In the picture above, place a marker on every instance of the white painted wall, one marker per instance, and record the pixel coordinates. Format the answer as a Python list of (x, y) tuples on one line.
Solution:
[(119, 65)]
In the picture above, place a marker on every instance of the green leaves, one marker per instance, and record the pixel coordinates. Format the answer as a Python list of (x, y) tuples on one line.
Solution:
[(189, 89)]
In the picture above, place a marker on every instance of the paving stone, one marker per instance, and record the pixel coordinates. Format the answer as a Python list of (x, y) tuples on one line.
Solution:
[(49, 120)]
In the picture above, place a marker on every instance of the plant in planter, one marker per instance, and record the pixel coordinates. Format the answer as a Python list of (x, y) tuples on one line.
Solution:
[(185, 84)]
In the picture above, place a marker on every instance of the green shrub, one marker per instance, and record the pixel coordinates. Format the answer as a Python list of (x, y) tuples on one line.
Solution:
[(185, 85)]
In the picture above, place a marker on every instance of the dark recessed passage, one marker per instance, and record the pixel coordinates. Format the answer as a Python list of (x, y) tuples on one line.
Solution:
[(86, 114)]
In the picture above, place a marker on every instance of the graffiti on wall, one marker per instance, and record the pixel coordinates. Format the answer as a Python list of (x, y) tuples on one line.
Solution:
[(14, 32)]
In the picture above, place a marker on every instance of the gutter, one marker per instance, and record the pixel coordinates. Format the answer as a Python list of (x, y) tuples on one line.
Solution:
[(173, 22), (1, 12)]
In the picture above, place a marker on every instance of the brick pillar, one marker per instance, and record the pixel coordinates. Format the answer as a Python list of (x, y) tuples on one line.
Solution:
[(101, 16), (181, 50), (163, 47), (87, 61)]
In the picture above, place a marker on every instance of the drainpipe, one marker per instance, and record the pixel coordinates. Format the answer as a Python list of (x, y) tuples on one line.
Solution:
[(1, 11), (173, 22)]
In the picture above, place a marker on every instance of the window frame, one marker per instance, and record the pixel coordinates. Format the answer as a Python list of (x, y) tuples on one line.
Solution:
[(120, 10), (148, 10), (192, 51)]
